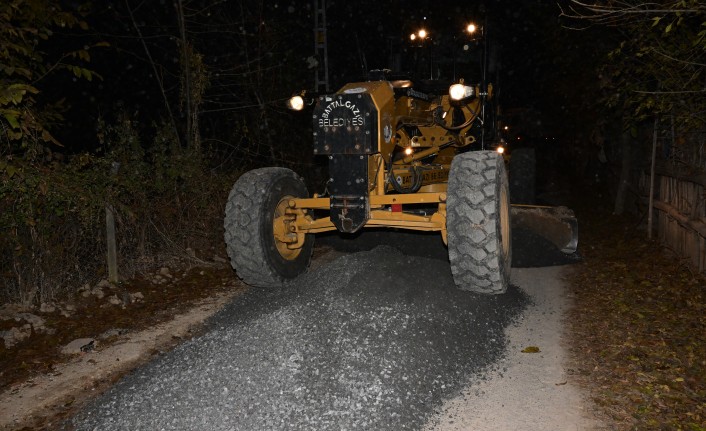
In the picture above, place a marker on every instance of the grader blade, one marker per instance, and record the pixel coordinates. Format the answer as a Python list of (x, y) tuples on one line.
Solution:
[(558, 225)]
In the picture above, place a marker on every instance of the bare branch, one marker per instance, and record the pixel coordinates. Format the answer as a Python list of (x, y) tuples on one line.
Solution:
[(620, 12), (154, 67), (690, 63), (669, 92)]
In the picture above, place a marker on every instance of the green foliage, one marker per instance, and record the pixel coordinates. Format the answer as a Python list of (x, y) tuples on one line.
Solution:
[(52, 215), (26, 26), (46, 215), (658, 67), (174, 166)]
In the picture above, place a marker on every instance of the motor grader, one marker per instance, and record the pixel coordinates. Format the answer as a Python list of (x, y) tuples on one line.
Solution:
[(399, 156)]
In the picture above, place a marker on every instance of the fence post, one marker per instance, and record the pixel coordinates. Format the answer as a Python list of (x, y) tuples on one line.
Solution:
[(650, 206), (111, 244)]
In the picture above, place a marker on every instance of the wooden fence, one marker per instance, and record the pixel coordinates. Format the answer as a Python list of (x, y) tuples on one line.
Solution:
[(680, 207)]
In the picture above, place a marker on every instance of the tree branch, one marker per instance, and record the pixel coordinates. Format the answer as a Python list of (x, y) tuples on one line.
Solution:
[(669, 92), (617, 15), (154, 68)]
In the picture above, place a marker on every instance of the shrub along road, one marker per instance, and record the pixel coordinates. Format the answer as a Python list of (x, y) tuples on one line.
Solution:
[(375, 339)]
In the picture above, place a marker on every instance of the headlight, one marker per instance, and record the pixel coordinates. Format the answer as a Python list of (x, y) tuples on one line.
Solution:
[(460, 91), (295, 103), (500, 150)]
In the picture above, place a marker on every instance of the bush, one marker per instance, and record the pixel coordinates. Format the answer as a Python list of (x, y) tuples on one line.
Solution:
[(53, 212)]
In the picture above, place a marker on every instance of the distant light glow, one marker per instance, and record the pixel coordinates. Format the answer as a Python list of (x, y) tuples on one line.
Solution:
[(422, 34), (500, 150), (471, 28), (412, 36)]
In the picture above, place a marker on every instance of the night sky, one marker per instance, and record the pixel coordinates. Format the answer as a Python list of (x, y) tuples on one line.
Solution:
[(258, 53)]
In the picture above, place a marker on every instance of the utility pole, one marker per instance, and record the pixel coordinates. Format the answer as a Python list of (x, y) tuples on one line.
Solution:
[(320, 46)]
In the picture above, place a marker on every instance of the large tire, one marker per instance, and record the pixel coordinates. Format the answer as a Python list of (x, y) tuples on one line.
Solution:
[(523, 176), (255, 200), (478, 222)]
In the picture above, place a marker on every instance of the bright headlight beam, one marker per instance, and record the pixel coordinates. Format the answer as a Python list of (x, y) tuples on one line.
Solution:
[(295, 103), (460, 91)]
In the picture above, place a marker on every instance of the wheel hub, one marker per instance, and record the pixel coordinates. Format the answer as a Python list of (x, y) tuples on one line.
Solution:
[(286, 239)]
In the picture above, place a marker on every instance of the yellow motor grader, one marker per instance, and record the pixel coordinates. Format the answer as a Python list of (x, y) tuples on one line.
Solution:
[(399, 157)]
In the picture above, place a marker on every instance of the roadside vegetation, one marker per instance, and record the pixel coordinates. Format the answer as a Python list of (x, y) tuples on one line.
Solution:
[(111, 107), (638, 327)]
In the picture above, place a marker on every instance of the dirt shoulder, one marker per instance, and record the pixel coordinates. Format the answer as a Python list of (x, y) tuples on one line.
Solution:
[(41, 385), (637, 328)]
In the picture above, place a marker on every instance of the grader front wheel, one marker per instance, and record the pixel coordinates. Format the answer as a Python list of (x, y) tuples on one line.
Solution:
[(261, 249), (478, 222)]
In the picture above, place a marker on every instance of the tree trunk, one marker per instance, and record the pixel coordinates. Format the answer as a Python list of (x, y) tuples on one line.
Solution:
[(650, 206), (186, 73), (624, 183)]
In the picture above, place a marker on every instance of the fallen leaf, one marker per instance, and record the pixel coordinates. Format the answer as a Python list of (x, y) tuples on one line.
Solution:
[(531, 349)]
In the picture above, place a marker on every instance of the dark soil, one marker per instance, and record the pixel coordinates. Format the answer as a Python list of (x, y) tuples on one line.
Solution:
[(41, 352)]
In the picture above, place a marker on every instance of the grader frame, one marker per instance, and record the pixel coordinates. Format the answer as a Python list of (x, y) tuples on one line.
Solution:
[(398, 158)]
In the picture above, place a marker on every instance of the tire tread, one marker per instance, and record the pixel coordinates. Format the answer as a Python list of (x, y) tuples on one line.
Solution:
[(474, 237)]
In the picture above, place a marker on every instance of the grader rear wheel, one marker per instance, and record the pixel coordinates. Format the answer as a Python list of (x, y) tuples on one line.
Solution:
[(478, 222), (255, 228)]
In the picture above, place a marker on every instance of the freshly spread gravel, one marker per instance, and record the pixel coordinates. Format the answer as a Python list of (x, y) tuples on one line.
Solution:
[(373, 340)]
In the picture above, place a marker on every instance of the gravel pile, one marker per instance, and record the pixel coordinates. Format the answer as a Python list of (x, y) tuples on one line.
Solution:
[(373, 340)]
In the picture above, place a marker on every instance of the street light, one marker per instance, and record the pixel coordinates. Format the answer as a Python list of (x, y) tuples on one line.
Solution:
[(419, 40), (477, 34), (421, 35), (472, 30)]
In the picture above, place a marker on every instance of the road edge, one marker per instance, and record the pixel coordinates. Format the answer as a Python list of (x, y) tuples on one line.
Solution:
[(55, 396), (531, 388)]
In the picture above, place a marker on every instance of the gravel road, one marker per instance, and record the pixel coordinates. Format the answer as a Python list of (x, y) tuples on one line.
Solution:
[(375, 339), (526, 391)]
